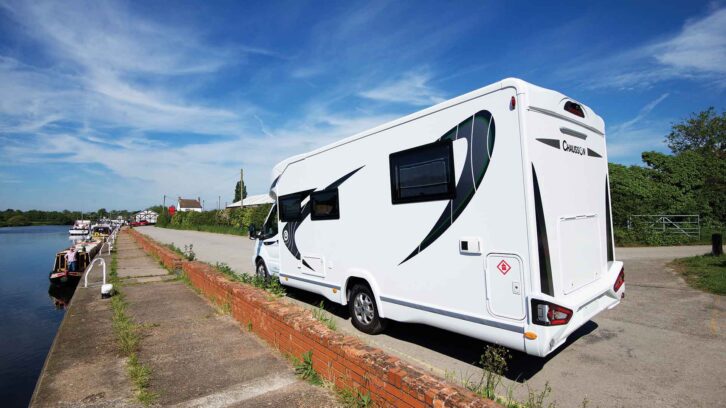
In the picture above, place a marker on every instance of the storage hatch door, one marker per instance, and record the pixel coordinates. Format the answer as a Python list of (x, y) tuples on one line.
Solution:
[(505, 291)]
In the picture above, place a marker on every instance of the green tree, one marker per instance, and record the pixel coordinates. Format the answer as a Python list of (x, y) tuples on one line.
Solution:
[(704, 135), (17, 221), (703, 132), (237, 192)]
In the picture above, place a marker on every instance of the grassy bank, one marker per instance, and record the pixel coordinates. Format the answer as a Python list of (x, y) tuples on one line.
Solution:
[(218, 229), (704, 272)]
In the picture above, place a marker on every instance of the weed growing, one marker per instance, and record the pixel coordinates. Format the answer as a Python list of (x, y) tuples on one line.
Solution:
[(536, 399), (271, 285), (354, 399), (140, 375), (324, 317), (304, 369), (128, 336), (494, 365)]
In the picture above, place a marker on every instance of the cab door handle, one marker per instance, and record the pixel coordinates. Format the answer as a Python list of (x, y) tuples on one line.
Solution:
[(269, 242)]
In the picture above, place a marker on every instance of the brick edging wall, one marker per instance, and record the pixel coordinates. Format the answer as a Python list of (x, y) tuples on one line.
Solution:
[(341, 359)]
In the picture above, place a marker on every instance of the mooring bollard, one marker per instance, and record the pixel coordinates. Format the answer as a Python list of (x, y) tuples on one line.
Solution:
[(717, 244)]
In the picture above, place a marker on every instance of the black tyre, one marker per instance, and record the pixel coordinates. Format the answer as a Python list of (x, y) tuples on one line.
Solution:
[(363, 310), (261, 271)]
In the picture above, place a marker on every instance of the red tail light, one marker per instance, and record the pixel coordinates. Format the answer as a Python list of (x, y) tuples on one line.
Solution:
[(620, 280), (549, 314)]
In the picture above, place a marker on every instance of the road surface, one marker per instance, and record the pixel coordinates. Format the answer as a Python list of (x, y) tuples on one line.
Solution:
[(663, 346)]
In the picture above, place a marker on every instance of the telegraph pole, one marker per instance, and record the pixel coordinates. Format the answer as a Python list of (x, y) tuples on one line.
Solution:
[(241, 186)]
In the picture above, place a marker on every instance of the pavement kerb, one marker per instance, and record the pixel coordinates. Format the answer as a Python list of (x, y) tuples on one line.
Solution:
[(341, 359)]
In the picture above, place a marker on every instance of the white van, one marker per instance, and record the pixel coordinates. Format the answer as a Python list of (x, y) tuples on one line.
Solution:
[(486, 215)]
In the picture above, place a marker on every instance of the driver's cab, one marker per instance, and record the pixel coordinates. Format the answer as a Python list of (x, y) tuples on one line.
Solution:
[(267, 246)]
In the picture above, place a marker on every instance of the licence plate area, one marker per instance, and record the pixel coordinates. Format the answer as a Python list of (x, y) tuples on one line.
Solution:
[(580, 251)]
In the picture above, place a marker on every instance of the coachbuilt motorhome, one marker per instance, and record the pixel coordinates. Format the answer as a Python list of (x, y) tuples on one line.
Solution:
[(486, 215)]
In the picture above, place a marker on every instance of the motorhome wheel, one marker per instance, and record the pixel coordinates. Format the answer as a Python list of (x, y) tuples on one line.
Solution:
[(262, 271), (363, 310)]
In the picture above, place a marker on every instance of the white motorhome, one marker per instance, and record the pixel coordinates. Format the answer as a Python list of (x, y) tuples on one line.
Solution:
[(486, 215)]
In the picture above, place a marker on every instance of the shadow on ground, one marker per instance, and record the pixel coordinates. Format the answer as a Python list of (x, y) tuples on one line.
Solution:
[(466, 349)]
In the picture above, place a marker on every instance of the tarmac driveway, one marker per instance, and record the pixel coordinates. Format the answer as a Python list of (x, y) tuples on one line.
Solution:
[(662, 346)]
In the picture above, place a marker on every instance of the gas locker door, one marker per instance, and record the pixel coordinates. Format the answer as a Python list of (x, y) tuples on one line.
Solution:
[(505, 293)]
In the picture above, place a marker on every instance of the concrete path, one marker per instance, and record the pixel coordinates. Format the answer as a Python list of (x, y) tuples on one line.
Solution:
[(663, 346), (83, 367), (198, 356)]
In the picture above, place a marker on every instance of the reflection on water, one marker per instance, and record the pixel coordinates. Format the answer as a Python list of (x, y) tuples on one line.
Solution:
[(30, 319), (61, 294)]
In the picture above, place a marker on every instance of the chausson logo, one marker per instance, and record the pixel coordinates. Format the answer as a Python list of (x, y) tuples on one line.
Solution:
[(573, 148), (285, 235), (578, 150)]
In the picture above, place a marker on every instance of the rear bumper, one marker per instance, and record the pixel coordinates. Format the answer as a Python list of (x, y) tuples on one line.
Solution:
[(601, 298)]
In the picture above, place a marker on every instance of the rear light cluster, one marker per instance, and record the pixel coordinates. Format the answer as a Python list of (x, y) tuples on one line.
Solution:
[(549, 314), (620, 280)]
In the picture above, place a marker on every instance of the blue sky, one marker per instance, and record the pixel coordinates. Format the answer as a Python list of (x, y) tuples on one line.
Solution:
[(114, 104)]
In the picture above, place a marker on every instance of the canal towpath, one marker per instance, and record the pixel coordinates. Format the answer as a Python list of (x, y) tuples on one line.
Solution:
[(198, 355)]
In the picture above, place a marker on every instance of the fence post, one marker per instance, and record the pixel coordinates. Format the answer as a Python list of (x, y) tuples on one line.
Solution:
[(717, 244)]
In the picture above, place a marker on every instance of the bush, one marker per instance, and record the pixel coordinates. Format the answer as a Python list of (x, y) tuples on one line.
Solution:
[(228, 221)]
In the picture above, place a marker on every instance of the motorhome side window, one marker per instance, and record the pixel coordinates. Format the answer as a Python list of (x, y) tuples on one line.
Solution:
[(325, 205), (424, 173), (290, 208)]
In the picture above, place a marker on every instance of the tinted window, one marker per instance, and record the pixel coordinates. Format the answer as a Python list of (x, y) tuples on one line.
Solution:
[(424, 173), (325, 205), (290, 208)]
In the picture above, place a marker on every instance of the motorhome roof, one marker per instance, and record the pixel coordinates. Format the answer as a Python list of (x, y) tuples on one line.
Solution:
[(535, 98)]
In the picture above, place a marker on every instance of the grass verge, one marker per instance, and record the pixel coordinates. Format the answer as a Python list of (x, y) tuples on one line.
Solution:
[(705, 272)]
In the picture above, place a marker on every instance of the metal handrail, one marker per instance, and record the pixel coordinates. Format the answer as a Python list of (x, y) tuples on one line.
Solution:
[(88, 270), (108, 245)]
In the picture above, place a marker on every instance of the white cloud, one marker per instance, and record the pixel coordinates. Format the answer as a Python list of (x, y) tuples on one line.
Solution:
[(700, 46), (412, 89), (696, 52), (626, 140), (644, 111)]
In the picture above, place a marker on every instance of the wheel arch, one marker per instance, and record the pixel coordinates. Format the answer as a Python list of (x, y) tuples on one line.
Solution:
[(365, 279)]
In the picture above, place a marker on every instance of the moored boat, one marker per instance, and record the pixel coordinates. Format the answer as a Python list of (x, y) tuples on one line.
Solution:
[(80, 227), (86, 251)]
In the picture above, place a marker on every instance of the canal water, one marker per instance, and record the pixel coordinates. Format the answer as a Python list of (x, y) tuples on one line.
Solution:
[(31, 308)]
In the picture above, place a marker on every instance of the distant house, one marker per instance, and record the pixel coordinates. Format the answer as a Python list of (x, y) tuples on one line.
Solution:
[(146, 215), (189, 204)]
